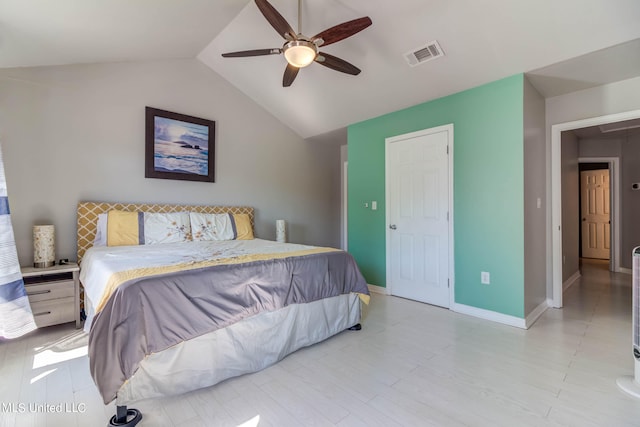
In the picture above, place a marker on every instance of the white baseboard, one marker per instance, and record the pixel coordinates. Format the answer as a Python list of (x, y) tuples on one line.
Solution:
[(570, 281), (536, 313), (490, 315), (625, 270), (378, 289)]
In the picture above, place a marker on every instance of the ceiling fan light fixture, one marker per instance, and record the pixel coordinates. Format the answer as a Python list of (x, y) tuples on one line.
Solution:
[(299, 50), (300, 53)]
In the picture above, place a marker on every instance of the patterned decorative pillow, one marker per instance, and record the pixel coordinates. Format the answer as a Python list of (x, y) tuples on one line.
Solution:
[(212, 226), (171, 227)]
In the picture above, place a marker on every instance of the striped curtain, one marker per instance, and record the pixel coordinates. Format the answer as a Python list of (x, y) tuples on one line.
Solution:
[(16, 318)]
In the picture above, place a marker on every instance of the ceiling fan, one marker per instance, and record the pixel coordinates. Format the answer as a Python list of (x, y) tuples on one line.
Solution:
[(300, 50)]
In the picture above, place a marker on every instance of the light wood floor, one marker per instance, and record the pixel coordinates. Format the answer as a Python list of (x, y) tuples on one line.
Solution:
[(411, 365)]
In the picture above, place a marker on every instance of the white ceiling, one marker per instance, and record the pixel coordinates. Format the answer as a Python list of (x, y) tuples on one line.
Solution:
[(615, 63), (567, 45), (54, 32)]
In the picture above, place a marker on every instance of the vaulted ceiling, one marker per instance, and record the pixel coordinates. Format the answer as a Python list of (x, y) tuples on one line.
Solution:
[(562, 45)]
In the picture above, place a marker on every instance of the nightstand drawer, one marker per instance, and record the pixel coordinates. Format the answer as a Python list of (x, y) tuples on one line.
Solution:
[(53, 312), (50, 290), (53, 293)]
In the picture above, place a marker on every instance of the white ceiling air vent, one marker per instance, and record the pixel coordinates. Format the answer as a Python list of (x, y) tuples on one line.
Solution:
[(431, 50)]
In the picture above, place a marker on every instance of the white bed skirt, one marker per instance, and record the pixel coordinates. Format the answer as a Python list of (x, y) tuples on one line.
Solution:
[(244, 347)]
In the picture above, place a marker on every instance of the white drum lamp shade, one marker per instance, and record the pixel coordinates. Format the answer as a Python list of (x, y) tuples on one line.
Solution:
[(281, 231), (44, 246)]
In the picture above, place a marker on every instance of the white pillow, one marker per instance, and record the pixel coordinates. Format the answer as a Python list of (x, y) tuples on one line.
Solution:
[(101, 231), (212, 226), (166, 228)]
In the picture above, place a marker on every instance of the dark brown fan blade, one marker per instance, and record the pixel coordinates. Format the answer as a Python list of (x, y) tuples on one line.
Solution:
[(275, 19), (290, 74), (342, 31), (337, 64), (255, 52)]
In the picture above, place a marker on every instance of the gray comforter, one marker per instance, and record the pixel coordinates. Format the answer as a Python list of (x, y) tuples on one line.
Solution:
[(151, 314)]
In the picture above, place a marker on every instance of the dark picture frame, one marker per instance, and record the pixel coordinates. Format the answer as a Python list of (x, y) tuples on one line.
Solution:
[(178, 146)]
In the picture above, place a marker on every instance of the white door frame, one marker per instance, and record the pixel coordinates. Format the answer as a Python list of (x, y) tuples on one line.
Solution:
[(614, 197), (388, 142), (345, 205), (555, 229)]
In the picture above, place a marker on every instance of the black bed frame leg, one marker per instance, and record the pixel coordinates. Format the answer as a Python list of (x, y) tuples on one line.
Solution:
[(122, 415), (356, 327)]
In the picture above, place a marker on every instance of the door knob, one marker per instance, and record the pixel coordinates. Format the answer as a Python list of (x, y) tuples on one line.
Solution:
[(393, 226)]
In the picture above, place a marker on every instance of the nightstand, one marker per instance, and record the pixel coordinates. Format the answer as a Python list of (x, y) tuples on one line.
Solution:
[(53, 293)]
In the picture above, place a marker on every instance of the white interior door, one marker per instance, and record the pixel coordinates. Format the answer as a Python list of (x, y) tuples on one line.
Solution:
[(595, 210), (418, 208)]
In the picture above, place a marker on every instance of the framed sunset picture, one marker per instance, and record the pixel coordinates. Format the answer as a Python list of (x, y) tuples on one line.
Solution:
[(179, 146)]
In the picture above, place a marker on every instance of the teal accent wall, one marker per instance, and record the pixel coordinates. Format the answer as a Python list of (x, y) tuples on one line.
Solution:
[(488, 190)]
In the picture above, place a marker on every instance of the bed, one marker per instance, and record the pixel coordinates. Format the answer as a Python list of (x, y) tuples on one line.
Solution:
[(168, 318)]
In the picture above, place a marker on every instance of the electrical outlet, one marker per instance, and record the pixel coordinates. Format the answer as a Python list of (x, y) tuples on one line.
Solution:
[(485, 278)]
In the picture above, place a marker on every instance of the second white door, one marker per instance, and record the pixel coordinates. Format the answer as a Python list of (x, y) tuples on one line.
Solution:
[(418, 210)]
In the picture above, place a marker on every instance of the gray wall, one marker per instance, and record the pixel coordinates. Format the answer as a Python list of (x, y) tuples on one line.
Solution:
[(630, 199), (331, 144), (627, 148), (74, 133), (612, 98), (570, 205), (535, 289)]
